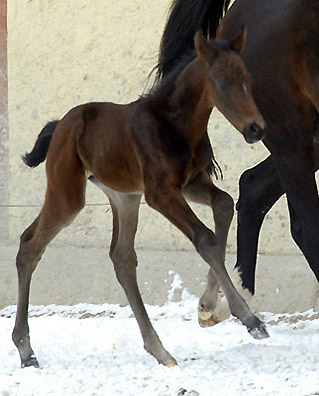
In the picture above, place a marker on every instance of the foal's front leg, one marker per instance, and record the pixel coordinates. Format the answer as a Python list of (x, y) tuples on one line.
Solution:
[(125, 217), (169, 201), (211, 309)]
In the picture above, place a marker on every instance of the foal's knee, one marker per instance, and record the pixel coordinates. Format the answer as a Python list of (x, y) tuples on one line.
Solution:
[(224, 207), (208, 247)]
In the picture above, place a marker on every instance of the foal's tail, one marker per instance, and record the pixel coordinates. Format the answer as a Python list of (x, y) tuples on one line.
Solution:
[(185, 18), (41, 146)]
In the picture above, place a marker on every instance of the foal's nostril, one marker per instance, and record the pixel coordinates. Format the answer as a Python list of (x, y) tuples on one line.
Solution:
[(253, 133), (254, 128)]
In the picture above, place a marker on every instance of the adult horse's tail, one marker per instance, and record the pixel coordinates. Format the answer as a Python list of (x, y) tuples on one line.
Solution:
[(41, 146), (185, 18)]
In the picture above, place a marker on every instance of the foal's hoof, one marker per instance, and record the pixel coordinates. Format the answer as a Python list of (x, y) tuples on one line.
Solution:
[(207, 319), (172, 363), (31, 362), (259, 332), (169, 362), (163, 357)]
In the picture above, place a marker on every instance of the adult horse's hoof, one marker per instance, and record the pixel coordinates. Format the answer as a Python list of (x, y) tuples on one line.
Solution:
[(31, 362), (259, 332)]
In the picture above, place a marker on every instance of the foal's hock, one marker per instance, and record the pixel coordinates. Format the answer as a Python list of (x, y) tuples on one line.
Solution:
[(157, 146)]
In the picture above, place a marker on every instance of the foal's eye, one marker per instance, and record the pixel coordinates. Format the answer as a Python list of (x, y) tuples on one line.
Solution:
[(222, 84)]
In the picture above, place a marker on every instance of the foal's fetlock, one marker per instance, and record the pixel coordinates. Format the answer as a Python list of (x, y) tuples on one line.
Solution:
[(30, 362), (161, 355), (26, 353), (164, 358), (254, 326)]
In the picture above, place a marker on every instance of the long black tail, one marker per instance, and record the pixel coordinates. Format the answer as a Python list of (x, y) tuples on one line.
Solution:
[(185, 18), (41, 146)]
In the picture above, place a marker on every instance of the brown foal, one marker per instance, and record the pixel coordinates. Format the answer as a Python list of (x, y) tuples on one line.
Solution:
[(157, 146)]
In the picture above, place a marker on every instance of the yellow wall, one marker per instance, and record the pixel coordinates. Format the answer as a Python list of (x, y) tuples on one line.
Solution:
[(62, 53)]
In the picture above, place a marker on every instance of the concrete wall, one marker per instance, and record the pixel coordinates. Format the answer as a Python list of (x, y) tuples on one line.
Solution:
[(62, 53)]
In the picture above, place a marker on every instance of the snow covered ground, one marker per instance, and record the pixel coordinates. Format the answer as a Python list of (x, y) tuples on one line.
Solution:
[(97, 350)]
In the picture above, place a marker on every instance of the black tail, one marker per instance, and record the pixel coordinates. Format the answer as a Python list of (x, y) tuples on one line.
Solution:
[(41, 146), (185, 18)]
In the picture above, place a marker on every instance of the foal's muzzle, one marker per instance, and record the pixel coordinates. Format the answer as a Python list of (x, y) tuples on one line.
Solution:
[(253, 132)]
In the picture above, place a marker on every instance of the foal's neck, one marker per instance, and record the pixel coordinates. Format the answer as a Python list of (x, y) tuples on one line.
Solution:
[(190, 99)]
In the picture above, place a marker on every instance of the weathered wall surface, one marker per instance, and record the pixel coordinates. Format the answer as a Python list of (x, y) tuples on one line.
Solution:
[(62, 53)]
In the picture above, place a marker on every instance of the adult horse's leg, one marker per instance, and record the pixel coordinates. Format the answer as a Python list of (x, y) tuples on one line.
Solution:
[(295, 224), (295, 167), (259, 189), (170, 202), (125, 217), (203, 191)]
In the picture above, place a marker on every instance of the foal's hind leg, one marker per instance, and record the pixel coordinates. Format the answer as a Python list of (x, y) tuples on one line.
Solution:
[(60, 207), (203, 191), (125, 217)]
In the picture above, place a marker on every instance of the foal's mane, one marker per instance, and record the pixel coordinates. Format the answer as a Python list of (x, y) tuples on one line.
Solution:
[(160, 84)]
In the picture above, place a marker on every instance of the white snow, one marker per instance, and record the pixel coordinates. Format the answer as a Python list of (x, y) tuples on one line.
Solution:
[(97, 350)]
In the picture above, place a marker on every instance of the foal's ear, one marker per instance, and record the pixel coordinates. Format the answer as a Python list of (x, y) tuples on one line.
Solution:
[(238, 42), (203, 48)]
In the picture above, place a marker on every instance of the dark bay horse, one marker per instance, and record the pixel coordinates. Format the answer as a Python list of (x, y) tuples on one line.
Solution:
[(282, 56), (156, 146)]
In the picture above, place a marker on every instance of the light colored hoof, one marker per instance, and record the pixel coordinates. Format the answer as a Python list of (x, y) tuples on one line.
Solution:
[(221, 312), (206, 319), (171, 364)]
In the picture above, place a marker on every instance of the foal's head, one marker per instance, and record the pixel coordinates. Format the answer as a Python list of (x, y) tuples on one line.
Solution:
[(230, 83)]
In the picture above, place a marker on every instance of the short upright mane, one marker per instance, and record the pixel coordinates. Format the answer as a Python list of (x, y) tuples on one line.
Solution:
[(162, 83), (188, 56)]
